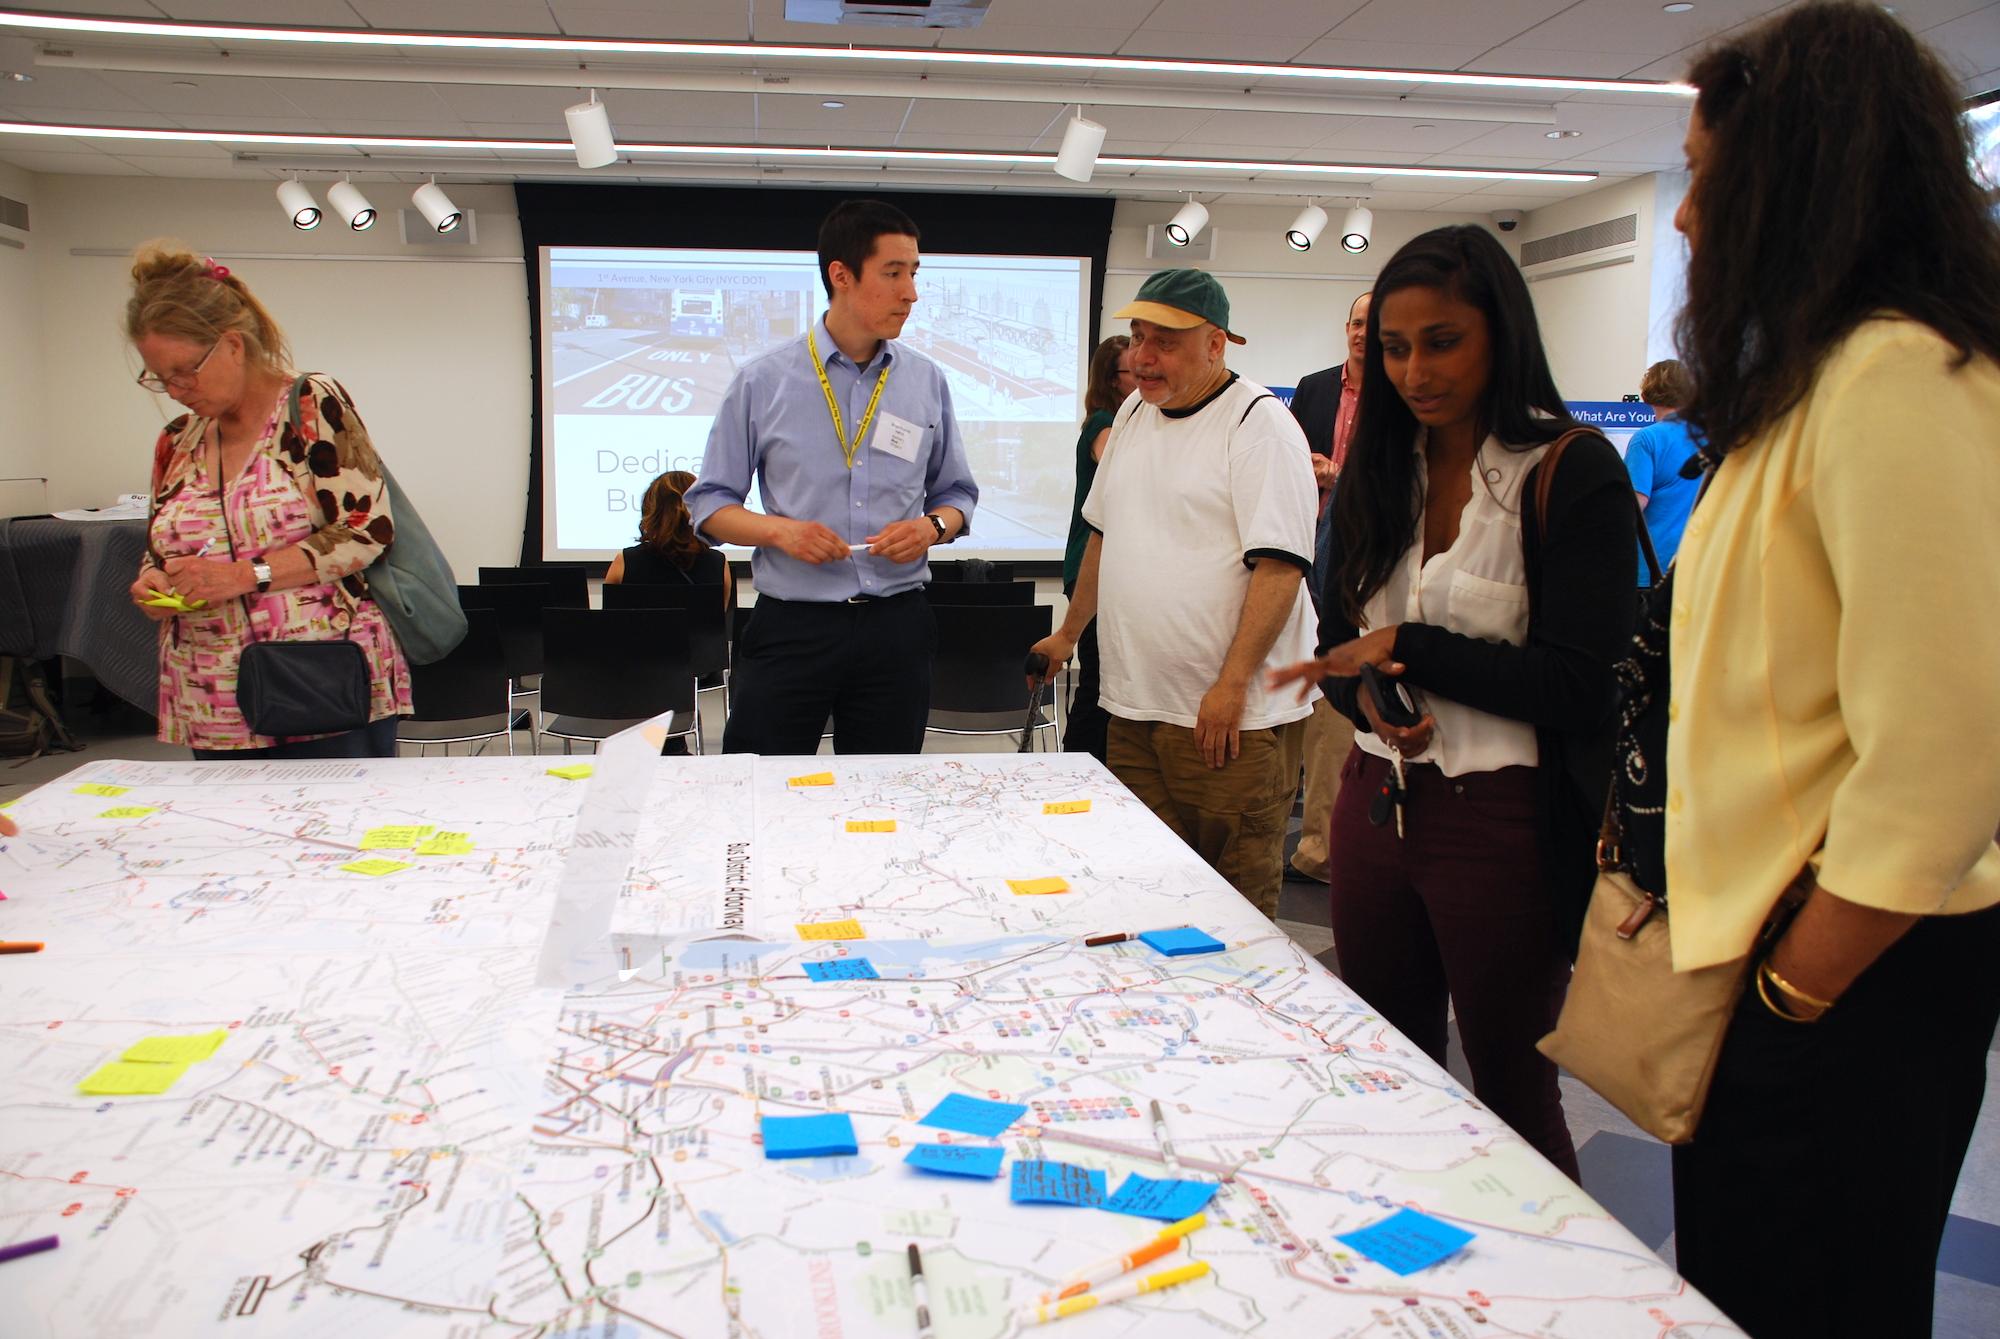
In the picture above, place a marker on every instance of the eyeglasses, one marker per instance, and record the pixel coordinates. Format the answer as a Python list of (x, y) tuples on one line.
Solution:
[(160, 385)]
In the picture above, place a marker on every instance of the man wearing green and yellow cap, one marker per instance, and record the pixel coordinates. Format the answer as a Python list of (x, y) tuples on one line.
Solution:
[(1202, 528)]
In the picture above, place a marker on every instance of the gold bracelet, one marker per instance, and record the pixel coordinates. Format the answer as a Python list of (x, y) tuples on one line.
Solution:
[(1764, 994), (1793, 992)]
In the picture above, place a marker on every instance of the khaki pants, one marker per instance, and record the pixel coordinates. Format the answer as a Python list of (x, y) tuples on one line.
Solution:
[(1329, 738), (1233, 816)]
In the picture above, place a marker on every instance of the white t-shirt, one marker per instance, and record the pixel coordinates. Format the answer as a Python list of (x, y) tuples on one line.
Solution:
[(1478, 587), (1186, 500)]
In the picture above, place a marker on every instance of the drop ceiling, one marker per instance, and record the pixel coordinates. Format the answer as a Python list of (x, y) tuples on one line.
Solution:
[(179, 84)]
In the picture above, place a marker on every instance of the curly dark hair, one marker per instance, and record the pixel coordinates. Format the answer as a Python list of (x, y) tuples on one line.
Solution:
[(1835, 182), (1377, 505), (664, 523)]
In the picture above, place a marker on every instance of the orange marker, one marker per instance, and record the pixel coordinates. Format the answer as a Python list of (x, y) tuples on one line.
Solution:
[(20, 946), (1083, 1280)]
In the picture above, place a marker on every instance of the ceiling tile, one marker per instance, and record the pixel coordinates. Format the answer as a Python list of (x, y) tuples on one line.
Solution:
[(1516, 59), (476, 16), (1271, 130), (58, 89), (337, 101), (1022, 120), (1210, 46), (1488, 23), (153, 165), (305, 13), (1620, 25), (1095, 40), (1299, 20), (1150, 122), (191, 98), (801, 112), (1421, 54), (697, 22), (1384, 135), (1970, 45)]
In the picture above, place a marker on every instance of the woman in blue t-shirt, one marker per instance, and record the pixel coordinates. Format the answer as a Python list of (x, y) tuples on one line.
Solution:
[(1655, 456)]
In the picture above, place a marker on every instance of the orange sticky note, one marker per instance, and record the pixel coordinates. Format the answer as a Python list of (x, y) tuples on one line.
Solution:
[(1038, 887), (1067, 807), (847, 929), (871, 825), (816, 779)]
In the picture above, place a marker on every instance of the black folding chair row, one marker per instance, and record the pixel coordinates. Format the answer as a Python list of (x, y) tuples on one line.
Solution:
[(568, 587), (462, 698), (977, 685), (606, 670)]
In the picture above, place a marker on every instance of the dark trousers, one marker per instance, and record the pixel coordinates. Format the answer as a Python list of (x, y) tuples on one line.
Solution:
[(866, 665), (1815, 1192), (1457, 910), (377, 739), (1088, 721)]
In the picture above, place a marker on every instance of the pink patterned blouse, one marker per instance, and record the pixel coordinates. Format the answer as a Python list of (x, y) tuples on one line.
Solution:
[(315, 483)]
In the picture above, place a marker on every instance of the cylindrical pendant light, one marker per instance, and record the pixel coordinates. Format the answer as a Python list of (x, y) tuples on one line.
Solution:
[(1187, 223), (299, 204), (1306, 228), (437, 208), (1356, 228), (352, 206), (590, 132), (1081, 142)]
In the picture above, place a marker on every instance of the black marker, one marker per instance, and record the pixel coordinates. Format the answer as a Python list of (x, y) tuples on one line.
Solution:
[(921, 1291)]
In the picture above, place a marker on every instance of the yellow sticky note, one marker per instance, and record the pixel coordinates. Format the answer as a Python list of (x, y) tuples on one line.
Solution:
[(575, 771), (99, 788), (816, 779), (871, 825), (123, 1079), (1067, 807), (184, 1049), (376, 868), (128, 811), (847, 929), (395, 837), (447, 843), (1037, 887)]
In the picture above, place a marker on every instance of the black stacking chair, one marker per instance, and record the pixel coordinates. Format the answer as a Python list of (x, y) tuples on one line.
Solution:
[(977, 687), (986, 593), (569, 587), (707, 624), (520, 609), (462, 699), (606, 670)]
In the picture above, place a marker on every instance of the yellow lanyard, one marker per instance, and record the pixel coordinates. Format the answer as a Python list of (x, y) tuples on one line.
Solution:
[(847, 448)]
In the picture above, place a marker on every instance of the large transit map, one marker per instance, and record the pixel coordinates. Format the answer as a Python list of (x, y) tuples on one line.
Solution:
[(409, 1131)]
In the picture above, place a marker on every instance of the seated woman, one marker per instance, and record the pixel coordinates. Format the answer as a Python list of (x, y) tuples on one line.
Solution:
[(669, 552)]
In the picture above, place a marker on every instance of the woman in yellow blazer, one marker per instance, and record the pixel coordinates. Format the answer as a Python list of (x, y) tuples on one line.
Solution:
[(1835, 697)]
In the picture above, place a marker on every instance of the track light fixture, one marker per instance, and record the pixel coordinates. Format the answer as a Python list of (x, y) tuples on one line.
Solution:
[(1306, 228), (590, 132), (1187, 223), (352, 206), (436, 206), (298, 204), (1082, 140), (1356, 228)]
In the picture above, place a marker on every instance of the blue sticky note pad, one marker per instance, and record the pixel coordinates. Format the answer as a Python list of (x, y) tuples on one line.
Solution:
[(1037, 1182), (1407, 1241), (827, 1136), (843, 969), (1179, 943), (973, 1115), (1168, 1201), (957, 1159)]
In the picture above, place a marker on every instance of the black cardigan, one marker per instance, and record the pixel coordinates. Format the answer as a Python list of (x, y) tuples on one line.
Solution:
[(1581, 606)]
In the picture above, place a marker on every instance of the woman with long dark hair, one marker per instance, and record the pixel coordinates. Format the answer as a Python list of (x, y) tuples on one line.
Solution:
[(1110, 383), (1835, 672), (669, 551), (1491, 579)]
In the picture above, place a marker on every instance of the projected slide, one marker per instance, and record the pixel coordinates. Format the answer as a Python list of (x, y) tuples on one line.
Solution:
[(639, 345)]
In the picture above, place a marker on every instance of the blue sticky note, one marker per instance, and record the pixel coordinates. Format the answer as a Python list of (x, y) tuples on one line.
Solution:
[(957, 1159), (1407, 1241), (974, 1115), (827, 1136), (1168, 1201), (1037, 1182), (1179, 943), (843, 969)]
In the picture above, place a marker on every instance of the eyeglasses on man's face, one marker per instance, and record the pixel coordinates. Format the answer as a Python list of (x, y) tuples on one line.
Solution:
[(160, 385)]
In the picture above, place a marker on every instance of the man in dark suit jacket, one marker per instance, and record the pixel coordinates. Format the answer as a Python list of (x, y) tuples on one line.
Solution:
[(1317, 405)]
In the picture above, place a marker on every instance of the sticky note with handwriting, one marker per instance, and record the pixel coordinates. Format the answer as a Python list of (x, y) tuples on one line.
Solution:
[(1167, 1200), (1407, 1241), (375, 867), (843, 969), (122, 1078), (100, 788), (185, 1048), (957, 1159), (395, 837), (1067, 807), (973, 1115), (446, 843), (847, 929), (871, 825), (1042, 1182), (1038, 887), (129, 811), (815, 779)]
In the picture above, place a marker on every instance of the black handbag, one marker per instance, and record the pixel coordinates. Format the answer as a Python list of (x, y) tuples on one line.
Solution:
[(287, 689)]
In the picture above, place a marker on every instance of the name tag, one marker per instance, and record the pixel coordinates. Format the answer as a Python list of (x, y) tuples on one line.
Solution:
[(897, 436)]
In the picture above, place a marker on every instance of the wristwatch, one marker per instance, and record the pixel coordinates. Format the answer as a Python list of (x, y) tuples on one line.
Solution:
[(262, 572), (937, 523)]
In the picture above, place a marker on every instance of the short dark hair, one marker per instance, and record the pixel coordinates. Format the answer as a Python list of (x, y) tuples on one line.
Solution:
[(1802, 232), (1377, 505), (848, 235)]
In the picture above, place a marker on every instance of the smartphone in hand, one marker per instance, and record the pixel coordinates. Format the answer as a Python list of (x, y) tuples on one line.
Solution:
[(1392, 700)]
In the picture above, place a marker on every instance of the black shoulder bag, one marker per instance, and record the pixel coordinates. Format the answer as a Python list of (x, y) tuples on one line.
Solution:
[(287, 689)]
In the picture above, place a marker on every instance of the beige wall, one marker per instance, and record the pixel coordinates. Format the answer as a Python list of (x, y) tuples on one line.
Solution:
[(22, 447)]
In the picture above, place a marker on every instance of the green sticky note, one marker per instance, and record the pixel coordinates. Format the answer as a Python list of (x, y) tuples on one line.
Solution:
[(575, 771), (99, 788), (184, 1049), (123, 1079), (447, 843), (129, 811), (395, 837), (377, 868)]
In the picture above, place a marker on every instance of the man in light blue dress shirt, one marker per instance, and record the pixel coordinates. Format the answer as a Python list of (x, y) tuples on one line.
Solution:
[(852, 443)]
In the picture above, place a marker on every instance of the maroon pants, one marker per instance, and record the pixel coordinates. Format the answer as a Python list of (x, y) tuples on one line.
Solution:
[(1456, 910)]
